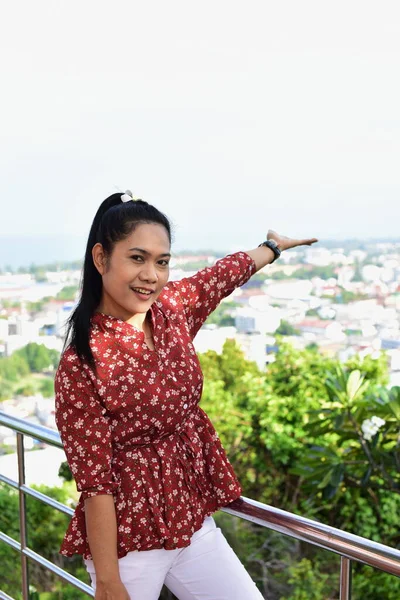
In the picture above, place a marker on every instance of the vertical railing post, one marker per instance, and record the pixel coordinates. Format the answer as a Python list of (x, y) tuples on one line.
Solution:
[(345, 578), (22, 515)]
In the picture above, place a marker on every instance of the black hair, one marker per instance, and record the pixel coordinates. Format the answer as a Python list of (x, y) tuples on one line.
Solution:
[(114, 221)]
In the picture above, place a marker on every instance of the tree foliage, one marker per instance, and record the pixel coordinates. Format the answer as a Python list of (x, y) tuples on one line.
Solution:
[(32, 358), (38, 357), (12, 369), (294, 437), (301, 436), (286, 328), (45, 527), (309, 271), (47, 388), (68, 293)]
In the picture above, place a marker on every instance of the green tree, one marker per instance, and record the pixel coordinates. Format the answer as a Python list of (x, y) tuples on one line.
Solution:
[(285, 328), (6, 389), (308, 582), (372, 369), (65, 472), (315, 271), (38, 305), (357, 272), (359, 425), (13, 367), (346, 296), (54, 357), (25, 390), (265, 423), (38, 357), (46, 528), (10, 303), (305, 411), (279, 276), (67, 293), (47, 388)]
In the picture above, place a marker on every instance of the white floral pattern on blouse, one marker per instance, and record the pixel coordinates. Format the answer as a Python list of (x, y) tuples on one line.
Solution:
[(134, 428)]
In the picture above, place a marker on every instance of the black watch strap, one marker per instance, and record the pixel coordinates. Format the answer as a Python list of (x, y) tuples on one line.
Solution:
[(272, 246)]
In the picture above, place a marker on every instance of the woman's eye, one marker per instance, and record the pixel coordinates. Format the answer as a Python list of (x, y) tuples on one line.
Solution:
[(137, 257), (164, 263)]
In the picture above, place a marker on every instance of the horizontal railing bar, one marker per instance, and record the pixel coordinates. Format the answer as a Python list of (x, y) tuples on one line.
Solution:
[(10, 541), (83, 587), (4, 596), (47, 500), (8, 481), (38, 495), (329, 538), (39, 432)]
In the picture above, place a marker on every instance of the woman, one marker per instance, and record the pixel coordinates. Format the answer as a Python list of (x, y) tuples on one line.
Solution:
[(147, 460)]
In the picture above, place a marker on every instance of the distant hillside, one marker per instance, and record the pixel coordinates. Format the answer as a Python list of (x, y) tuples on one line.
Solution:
[(22, 251)]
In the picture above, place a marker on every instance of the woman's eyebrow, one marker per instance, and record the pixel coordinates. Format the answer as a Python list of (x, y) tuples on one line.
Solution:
[(147, 252)]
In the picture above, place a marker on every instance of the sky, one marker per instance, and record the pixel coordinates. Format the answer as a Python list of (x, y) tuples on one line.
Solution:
[(231, 117)]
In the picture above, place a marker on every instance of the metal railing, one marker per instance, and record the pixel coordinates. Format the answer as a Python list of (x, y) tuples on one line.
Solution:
[(350, 547)]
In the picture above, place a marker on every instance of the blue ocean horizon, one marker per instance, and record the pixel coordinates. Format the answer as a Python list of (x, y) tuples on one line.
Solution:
[(22, 251)]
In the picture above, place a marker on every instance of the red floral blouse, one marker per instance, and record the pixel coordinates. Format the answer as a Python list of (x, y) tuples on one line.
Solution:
[(134, 428)]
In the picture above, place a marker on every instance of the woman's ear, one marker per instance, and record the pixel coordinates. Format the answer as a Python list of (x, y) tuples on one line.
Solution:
[(99, 258)]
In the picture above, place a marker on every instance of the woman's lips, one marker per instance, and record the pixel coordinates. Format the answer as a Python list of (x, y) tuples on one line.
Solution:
[(142, 295)]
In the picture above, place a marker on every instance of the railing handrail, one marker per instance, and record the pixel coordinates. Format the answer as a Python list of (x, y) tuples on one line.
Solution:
[(346, 544), (39, 432), (341, 542)]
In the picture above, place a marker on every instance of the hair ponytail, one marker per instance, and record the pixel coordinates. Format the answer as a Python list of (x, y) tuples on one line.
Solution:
[(115, 220)]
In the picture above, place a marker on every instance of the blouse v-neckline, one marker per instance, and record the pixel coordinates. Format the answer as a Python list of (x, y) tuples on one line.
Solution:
[(123, 327)]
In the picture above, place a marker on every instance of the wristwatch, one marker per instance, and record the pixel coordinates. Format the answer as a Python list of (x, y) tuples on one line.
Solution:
[(272, 245)]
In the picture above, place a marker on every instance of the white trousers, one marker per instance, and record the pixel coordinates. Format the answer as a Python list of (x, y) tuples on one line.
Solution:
[(207, 569)]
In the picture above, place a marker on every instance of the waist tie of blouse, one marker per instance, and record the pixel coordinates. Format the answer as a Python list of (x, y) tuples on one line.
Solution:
[(192, 461), (187, 450)]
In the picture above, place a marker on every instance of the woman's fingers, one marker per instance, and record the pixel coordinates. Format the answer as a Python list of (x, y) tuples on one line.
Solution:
[(285, 243), (308, 242), (289, 243)]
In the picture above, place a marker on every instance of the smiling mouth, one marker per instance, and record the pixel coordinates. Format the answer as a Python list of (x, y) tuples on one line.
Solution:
[(142, 291)]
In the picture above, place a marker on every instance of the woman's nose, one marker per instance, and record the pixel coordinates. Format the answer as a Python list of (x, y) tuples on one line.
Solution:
[(148, 273)]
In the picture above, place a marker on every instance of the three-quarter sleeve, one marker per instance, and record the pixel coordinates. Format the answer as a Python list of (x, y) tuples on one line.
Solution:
[(201, 293), (84, 428)]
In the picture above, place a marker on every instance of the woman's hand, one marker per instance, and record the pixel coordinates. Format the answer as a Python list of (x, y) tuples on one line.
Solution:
[(263, 255), (284, 243), (111, 591)]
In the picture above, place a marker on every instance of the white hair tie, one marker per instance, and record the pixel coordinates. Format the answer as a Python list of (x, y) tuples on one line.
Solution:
[(127, 196)]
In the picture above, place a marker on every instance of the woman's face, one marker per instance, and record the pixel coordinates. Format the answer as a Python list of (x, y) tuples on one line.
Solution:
[(135, 273)]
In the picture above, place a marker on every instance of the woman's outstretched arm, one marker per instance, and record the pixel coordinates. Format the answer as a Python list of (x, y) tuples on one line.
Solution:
[(263, 255)]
